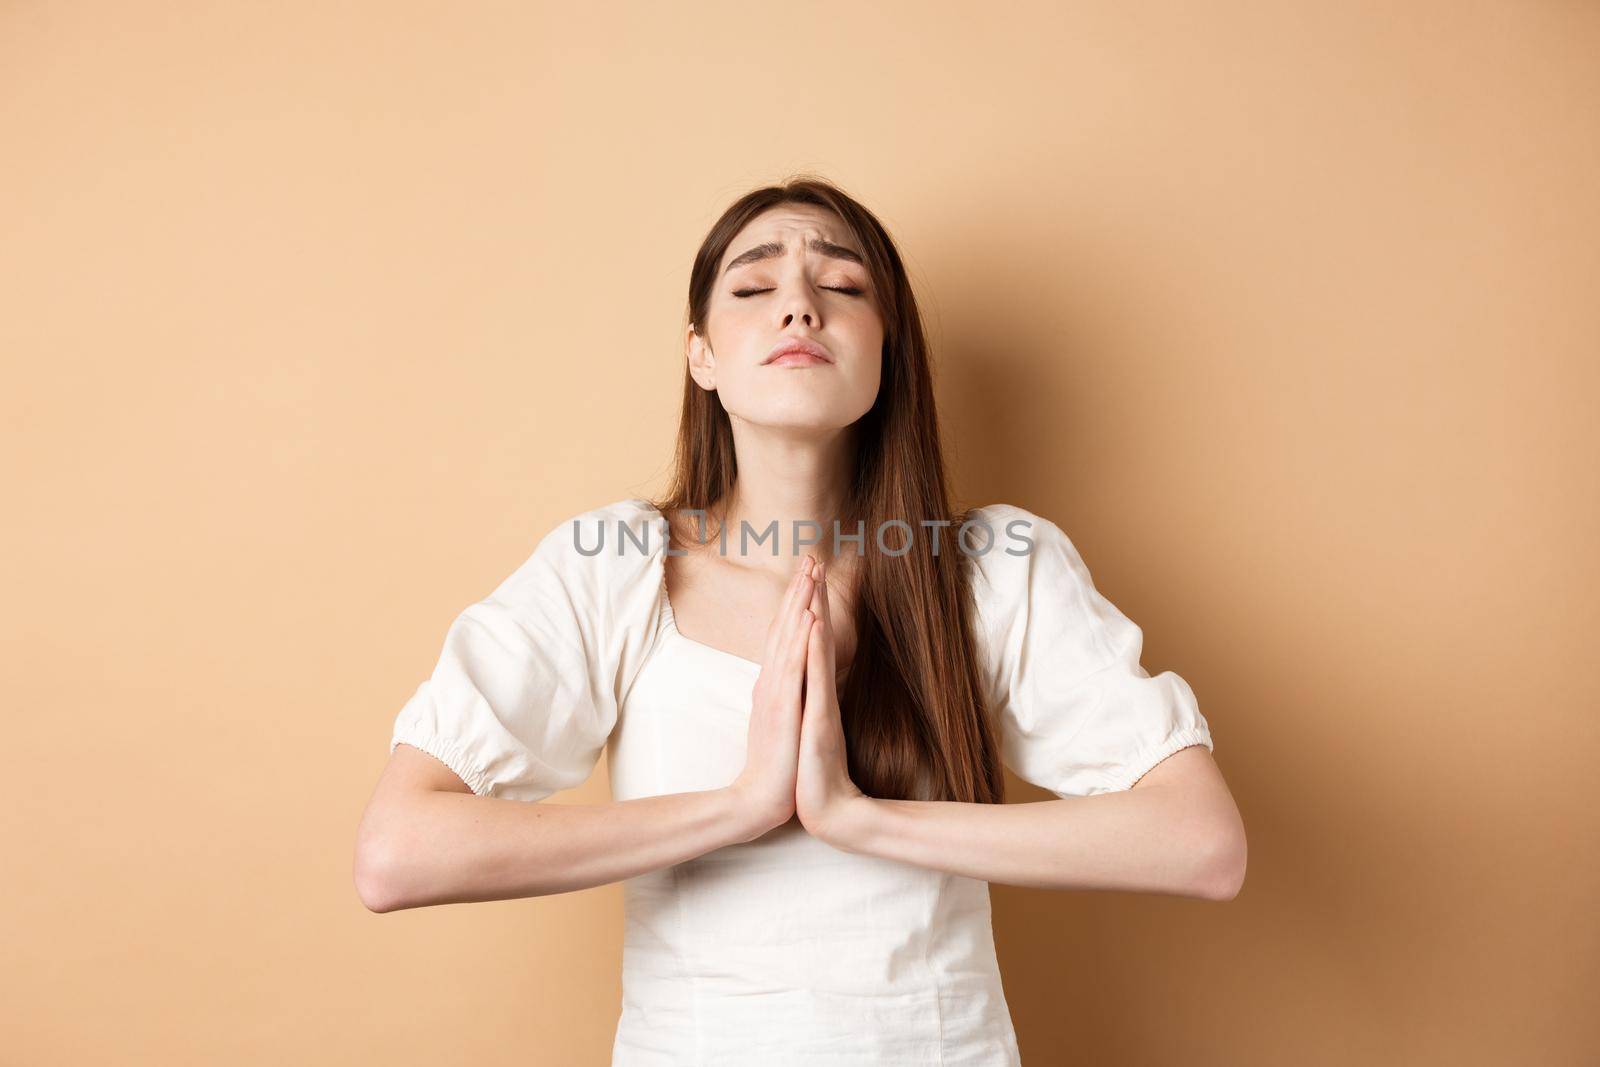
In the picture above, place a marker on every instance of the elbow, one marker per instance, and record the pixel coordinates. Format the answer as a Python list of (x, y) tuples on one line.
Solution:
[(376, 878), (1222, 865)]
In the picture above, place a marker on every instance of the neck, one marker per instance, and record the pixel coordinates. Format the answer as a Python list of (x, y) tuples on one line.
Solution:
[(785, 477)]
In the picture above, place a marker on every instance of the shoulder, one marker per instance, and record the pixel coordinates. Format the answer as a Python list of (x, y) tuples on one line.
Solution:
[(1002, 541), (630, 527), (1010, 522), (592, 554), (1028, 556), (594, 581)]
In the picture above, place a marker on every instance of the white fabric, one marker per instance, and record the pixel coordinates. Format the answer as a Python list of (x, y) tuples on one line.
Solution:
[(783, 950)]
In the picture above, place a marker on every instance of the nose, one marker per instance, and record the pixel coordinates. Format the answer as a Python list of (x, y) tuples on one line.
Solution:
[(799, 304)]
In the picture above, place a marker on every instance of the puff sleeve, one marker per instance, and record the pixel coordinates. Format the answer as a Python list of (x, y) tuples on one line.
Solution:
[(527, 687), (1078, 713)]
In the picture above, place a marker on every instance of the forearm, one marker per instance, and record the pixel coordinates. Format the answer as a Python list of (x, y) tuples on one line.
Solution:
[(443, 847), (1141, 840)]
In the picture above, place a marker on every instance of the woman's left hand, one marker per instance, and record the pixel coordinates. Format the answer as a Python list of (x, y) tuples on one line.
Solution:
[(824, 795)]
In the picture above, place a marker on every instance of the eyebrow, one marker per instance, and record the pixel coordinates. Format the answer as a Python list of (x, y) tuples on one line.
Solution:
[(775, 248)]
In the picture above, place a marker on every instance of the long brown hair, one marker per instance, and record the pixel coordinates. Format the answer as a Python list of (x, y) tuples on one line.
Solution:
[(911, 701)]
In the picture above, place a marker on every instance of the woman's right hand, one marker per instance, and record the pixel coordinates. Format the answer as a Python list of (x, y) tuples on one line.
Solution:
[(766, 786)]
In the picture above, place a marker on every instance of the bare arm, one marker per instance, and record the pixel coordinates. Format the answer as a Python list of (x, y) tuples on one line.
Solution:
[(1176, 831), (426, 839)]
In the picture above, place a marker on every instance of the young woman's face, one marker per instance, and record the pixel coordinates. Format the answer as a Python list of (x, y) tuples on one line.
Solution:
[(793, 273)]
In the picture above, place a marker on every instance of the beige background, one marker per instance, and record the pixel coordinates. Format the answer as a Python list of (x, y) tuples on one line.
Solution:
[(315, 316)]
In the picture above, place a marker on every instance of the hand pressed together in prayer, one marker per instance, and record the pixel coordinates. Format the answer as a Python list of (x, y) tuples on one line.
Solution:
[(796, 761)]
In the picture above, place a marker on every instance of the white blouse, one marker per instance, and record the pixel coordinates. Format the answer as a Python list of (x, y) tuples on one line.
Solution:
[(783, 950)]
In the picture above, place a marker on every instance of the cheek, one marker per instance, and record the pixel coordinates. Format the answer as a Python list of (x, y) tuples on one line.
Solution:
[(866, 380), (857, 387), (869, 349)]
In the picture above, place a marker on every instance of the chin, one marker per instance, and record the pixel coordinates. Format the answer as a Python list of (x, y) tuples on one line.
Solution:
[(815, 420)]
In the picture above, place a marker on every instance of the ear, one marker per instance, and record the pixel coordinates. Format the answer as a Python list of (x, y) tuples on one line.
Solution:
[(702, 364)]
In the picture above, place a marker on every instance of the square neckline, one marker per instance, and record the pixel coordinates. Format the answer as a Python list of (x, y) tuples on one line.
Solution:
[(669, 617), (670, 622)]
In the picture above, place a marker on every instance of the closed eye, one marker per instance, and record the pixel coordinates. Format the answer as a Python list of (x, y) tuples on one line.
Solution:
[(848, 290)]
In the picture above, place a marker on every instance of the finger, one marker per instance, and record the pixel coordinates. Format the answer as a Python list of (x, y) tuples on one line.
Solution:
[(794, 665), (826, 615), (818, 680), (778, 628), (814, 603), (818, 595), (794, 606), (790, 653), (794, 598)]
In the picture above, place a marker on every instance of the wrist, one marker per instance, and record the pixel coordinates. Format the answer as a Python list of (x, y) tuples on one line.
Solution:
[(851, 822), (745, 819)]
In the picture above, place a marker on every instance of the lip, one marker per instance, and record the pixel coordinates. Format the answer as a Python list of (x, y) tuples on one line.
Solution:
[(797, 353)]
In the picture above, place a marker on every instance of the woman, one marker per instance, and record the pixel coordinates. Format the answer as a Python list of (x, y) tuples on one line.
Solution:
[(805, 741)]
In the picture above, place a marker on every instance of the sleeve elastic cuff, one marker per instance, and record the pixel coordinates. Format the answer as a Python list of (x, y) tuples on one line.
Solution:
[(1138, 767), (447, 754)]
